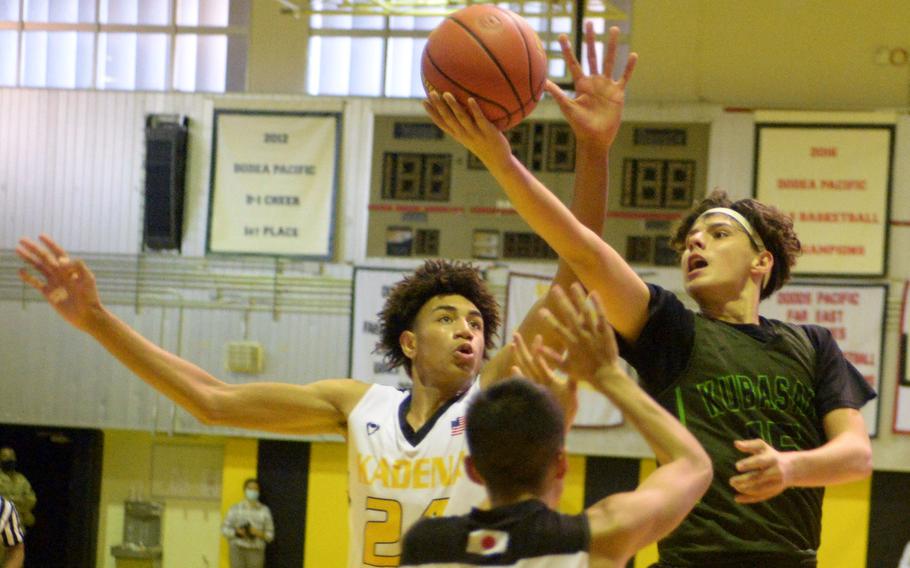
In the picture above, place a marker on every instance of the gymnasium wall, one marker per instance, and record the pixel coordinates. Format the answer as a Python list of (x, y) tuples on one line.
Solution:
[(66, 155), (71, 165)]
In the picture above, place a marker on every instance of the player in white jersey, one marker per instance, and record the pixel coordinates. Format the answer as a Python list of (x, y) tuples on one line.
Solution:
[(516, 432), (398, 475), (437, 326)]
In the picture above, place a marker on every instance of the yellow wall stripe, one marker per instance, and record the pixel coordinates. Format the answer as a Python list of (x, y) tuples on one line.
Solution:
[(326, 541), (573, 493), (845, 525), (240, 459)]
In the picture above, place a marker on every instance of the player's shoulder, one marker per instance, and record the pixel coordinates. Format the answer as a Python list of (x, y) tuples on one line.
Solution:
[(432, 538)]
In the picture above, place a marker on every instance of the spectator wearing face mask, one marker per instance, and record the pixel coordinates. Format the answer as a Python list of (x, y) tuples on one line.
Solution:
[(15, 487), (248, 527)]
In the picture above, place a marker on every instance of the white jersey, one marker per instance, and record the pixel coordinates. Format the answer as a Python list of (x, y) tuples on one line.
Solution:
[(396, 475)]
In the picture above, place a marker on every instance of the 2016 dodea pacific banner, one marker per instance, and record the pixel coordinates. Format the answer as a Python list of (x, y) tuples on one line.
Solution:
[(834, 182), (274, 183)]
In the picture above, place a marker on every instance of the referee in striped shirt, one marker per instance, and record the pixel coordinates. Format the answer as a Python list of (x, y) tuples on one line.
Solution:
[(13, 551)]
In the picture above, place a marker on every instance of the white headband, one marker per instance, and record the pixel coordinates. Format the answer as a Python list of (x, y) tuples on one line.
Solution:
[(746, 226), (741, 221)]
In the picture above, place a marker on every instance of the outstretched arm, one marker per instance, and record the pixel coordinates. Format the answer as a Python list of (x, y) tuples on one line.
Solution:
[(625, 522), (846, 456), (69, 287), (595, 115)]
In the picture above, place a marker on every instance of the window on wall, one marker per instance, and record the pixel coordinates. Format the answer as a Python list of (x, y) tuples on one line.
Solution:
[(370, 48), (132, 45)]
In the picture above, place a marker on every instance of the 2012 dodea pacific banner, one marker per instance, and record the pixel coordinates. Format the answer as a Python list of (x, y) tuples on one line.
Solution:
[(274, 183)]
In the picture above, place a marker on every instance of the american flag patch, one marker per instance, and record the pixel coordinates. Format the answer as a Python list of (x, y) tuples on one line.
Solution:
[(458, 426)]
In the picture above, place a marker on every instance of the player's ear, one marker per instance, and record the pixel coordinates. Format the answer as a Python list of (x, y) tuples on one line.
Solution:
[(408, 342), (763, 263), (471, 469), (562, 464)]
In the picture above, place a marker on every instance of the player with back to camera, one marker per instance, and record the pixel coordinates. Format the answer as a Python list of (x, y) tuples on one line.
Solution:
[(516, 435), (437, 323), (775, 405)]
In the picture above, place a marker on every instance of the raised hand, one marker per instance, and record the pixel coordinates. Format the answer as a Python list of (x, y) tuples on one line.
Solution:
[(596, 111), (469, 127), (531, 363), (68, 285), (593, 355)]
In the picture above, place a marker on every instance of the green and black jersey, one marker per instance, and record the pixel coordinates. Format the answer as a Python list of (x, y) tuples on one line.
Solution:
[(726, 382)]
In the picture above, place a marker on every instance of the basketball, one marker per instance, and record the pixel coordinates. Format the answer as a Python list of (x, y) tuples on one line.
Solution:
[(491, 54)]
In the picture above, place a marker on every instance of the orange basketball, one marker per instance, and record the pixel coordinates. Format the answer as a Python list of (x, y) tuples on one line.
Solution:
[(491, 54)]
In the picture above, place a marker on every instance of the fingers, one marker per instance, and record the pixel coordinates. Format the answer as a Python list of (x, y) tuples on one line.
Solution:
[(456, 109), (480, 120), (440, 112), (580, 301), (524, 360), (759, 462), (755, 487), (749, 499), (610, 59), (52, 246), (26, 277), (630, 67), (560, 96), (563, 306), (37, 252), (551, 356), (600, 316), (568, 55), (566, 335), (591, 48), (751, 446), (34, 255), (435, 116)]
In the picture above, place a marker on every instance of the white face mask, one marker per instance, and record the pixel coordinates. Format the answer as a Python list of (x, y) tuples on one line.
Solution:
[(251, 494)]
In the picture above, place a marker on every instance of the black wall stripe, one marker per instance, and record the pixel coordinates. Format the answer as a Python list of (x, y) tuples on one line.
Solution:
[(283, 470), (606, 476), (889, 510), (63, 466)]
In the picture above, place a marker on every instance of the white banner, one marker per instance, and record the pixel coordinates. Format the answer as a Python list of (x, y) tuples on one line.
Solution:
[(855, 317), (522, 291), (371, 287), (902, 406), (834, 182), (274, 183)]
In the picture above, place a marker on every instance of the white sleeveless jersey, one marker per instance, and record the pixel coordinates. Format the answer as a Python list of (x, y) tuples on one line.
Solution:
[(391, 482)]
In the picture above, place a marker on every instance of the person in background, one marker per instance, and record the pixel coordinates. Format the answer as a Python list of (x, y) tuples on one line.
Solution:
[(248, 527), (12, 554), (15, 486)]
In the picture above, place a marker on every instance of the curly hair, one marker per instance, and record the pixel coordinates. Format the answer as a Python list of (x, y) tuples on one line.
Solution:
[(772, 225), (434, 278)]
